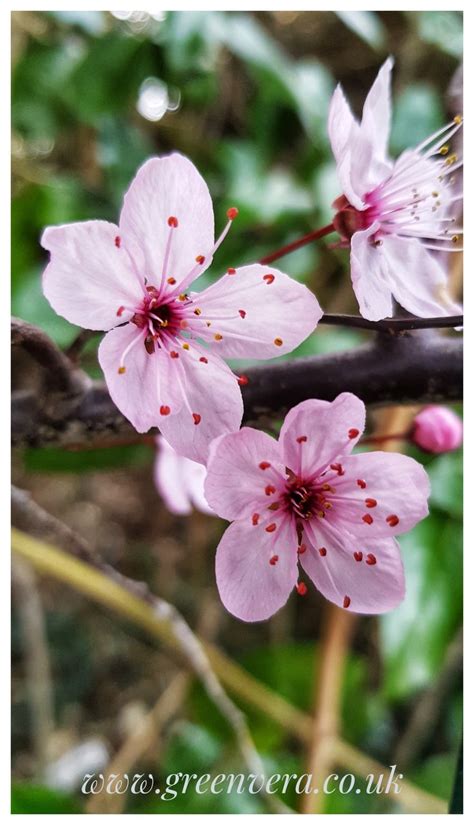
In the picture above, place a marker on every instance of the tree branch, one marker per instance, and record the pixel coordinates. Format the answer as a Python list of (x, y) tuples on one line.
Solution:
[(391, 369), (393, 324), (61, 376)]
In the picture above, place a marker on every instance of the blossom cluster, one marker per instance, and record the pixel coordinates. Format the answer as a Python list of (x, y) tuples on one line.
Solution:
[(305, 501)]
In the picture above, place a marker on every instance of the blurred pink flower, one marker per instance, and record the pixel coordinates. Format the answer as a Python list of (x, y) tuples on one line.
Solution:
[(437, 429), (163, 356), (179, 481), (304, 499), (392, 212)]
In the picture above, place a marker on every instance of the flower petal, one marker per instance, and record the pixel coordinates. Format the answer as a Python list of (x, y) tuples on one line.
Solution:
[(375, 128), (211, 403), (88, 277), (147, 383), (163, 188), (370, 582), (397, 483), (240, 467), (315, 432), (368, 273), (250, 587), (342, 125), (179, 481), (416, 279), (256, 312)]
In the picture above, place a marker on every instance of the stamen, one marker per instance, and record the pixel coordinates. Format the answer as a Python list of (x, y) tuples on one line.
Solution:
[(242, 313), (301, 439), (264, 465), (164, 409), (368, 519), (370, 502), (231, 271), (269, 278), (278, 342), (270, 528), (126, 351), (269, 490), (196, 418), (322, 551), (301, 589), (392, 520), (346, 602), (361, 483), (242, 380), (353, 432), (274, 560), (370, 560), (118, 241), (358, 555), (255, 519), (232, 213), (203, 360), (174, 354)]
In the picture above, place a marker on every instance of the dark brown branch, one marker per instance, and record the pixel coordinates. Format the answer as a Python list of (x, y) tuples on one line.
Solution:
[(402, 369), (393, 324), (61, 377)]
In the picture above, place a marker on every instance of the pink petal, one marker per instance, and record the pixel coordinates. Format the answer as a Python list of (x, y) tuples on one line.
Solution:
[(342, 125), (397, 484), (368, 273), (147, 383), (315, 433), (179, 481), (375, 128), (88, 277), (211, 403), (168, 187), (250, 587), (359, 584), (258, 311), (240, 468), (418, 282)]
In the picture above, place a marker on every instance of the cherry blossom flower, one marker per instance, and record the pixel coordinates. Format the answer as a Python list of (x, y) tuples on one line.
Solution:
[(305, 500), (163, 354), (437, 429), (179, 481), (392, 213)]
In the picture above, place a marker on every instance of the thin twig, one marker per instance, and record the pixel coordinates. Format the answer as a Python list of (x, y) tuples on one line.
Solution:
[(393, 324), (75, 349), (124, 600)]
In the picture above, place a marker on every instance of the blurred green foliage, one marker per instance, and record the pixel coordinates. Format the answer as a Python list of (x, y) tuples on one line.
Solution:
[(253, 95)]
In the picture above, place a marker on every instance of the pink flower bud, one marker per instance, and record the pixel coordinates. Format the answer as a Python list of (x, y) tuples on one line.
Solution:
[(437, 430)]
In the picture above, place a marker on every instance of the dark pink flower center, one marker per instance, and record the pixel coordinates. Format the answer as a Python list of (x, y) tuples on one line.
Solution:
[(306, 500)]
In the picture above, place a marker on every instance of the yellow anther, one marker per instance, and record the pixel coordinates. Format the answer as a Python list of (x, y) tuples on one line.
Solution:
[(182, 297), (217, 337), (455, 238), (457, 119), (185, 346), (435, 194), (197, 311), (444, 150), (452, 159), (278, 342), (121, 370)]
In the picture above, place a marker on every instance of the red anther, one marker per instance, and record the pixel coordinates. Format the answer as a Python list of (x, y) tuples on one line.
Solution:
[(183, 323), (337, 469), (269, 278), (392, 520), (368, 519), (231, 271), (232, 213), (274, 559), (358, 555), (322, 551), (353, 433), (242, 313), (362, 484), (120, 311), (346, 602), (273, 506), (270, 528), (174, 354), (269, 490), (164, 410), (264, 465), (370, 502), (150, 344), (171, 281), (196, 418), (242, 380), (301, 549), (301, 439), (152, 290), (172, 221), (118, 241), (370, 559), (301, 589), (255, 519), (203, 360), (200, 259)]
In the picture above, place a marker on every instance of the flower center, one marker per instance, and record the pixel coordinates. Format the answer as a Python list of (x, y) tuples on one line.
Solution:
[(160, 319), (307, 500), (347, 219)]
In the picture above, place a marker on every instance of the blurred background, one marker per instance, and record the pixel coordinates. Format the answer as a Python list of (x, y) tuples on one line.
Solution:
[(245, 95)]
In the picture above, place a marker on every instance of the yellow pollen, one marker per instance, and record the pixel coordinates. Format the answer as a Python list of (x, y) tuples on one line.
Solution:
[(455, 238), (182, 297), (457, 120), (121, 370), (278, 342), (197, 311), (378, 243), (321, 514), (208, 323), (452, 159), (217, 337), (327, 505), (435, 194), (444, 150), (185, 346)]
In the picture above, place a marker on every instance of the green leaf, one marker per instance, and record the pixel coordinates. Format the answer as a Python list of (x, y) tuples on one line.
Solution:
[(414, 637), (52, 460), (446, 478), (36, 799), (367, 25)]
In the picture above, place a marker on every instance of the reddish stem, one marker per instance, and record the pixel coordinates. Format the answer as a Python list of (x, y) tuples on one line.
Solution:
[(285, 250)]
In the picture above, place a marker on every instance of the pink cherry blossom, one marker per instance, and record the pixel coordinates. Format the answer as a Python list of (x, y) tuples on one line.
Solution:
[(179, 481), (392, 213), (305, 500), (437, 429), (163, 353)]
